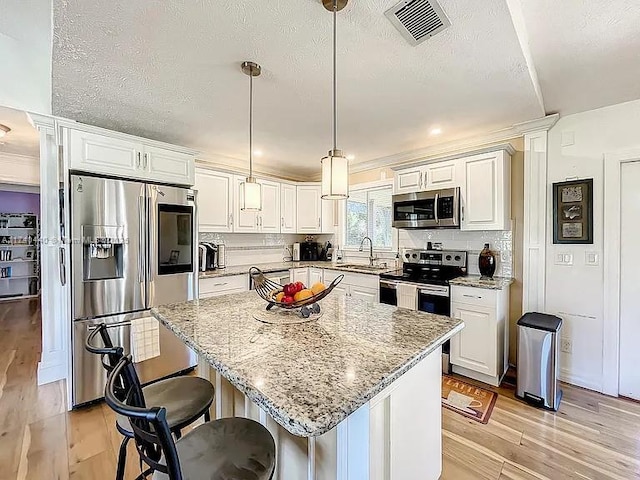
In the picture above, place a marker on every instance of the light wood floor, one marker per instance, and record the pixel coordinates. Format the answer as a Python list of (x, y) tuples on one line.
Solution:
[(592, 436)]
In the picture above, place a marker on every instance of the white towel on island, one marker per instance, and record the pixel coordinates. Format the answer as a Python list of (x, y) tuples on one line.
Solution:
[(407, 296), (145, 339)]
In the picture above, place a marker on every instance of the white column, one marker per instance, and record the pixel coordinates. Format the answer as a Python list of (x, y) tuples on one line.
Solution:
[(56, 335), (535, 216)]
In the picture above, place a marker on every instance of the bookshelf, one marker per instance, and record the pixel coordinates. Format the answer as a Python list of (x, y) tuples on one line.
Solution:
[(19, 256)]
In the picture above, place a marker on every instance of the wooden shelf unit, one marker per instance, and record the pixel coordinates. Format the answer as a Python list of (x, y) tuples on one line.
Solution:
[(19, 256)]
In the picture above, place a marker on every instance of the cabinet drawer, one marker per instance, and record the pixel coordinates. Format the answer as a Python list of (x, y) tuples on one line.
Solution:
[(473, 296), (210, 287)]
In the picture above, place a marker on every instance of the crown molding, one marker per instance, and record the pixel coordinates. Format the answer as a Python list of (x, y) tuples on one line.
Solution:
[(239, 167), (507, 147), (460, 146)]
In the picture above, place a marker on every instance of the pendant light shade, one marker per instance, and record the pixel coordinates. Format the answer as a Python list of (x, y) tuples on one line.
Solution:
[(335, 166), (250, 195), (250, 190), (335, 176)]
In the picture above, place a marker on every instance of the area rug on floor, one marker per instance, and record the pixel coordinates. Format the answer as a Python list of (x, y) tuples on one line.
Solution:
[(466, 399)]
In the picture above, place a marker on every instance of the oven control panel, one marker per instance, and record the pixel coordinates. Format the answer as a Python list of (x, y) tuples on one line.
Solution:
[(451, 258)]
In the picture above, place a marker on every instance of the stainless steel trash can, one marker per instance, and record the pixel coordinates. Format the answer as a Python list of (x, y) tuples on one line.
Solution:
[(538, 354)]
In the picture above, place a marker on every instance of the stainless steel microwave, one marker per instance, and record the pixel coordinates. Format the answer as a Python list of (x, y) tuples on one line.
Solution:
[(429, 209)]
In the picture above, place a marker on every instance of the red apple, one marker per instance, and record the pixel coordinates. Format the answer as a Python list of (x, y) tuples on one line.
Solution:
[(289, 290), (299, 286), (287, 299)]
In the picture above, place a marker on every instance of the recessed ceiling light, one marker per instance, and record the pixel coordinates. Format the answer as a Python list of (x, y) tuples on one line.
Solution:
[(257, 153), (4, 130), (436, 131), (351, 157)]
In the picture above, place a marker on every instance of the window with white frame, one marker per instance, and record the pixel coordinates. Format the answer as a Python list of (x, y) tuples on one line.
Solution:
[(368, 214)]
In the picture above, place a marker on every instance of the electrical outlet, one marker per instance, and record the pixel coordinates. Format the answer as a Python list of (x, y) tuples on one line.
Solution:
[(565, 345)]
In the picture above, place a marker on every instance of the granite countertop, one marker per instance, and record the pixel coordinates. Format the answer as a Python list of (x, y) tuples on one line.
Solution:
[(275, 266), (310, 376), (495, 283)]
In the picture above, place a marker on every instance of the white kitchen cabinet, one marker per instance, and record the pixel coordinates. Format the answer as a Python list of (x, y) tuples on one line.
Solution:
[(445, 174), (163, 165), (309, 211), (215, 200), (299, 275), (315, 275), (288, 208), (408, 180), (486, 194), (480, 350), (244, 221), (357, 285), (112, 153), (102, 154), (269, 216), (330, 215), (364, 293), (216, 286), (431, 176)]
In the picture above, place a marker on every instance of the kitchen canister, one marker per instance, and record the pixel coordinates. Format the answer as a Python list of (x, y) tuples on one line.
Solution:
[(487, 262)]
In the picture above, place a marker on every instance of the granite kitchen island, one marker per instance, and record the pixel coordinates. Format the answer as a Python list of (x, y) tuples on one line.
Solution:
[(353, 395)]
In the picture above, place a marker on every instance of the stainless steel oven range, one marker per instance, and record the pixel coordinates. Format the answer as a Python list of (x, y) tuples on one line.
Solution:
[(430, 271)]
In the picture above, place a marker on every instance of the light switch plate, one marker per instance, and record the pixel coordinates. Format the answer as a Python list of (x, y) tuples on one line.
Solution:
[(564, 258), (592, 259), (568, 139)]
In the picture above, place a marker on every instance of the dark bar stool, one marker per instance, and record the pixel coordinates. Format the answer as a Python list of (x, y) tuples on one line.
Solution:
[(229, 448), (185, 399)]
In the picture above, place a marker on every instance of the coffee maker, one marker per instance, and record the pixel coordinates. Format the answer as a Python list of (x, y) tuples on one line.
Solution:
[(207, 256)]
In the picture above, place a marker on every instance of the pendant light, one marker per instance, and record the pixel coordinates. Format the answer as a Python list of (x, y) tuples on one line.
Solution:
[(335, 166), (250, 190)]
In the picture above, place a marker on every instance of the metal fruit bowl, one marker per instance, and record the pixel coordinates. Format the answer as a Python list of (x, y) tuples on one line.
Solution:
[(266, 288)]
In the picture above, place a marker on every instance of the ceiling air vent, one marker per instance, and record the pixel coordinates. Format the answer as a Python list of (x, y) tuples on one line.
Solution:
[(418, 20)]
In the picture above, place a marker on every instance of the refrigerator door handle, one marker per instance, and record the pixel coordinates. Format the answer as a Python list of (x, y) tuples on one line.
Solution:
[(141, 236), (148, 249), (63, 267)]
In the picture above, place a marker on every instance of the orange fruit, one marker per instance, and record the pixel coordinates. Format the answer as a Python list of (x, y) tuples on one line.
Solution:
[(317, 288), (303, 295), (279, 297)]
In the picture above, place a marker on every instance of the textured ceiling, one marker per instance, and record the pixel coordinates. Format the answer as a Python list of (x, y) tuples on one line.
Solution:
[(586, 53), (171, 71), (23, 139)]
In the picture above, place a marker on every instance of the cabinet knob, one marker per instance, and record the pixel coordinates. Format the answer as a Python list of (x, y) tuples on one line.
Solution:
[(138, 160), (282, 221), (146, 160), (319, 222)]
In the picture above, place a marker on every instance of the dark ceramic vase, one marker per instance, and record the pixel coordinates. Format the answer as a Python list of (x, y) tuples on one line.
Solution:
[(487, 262)]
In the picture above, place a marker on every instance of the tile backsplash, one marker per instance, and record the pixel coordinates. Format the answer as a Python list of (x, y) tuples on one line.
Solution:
[(500, 243), (251, 248)]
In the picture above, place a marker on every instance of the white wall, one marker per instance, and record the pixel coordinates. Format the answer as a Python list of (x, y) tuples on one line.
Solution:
[(25, 50), (575, 292), (19, 169)]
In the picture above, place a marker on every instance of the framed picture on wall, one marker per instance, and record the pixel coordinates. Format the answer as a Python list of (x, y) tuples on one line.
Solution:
[(573, 211)]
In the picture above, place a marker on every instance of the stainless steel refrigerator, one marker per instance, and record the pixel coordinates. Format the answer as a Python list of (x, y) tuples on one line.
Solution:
[(134, 247)]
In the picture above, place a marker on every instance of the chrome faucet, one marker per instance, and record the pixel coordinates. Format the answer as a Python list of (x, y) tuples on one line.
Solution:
[(370, 249)]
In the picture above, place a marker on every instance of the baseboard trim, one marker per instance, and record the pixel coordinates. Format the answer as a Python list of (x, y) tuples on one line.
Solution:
[(48, 373), (590, 384)]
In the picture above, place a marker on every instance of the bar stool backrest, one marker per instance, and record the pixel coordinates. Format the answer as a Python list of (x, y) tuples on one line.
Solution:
[(150, 428)]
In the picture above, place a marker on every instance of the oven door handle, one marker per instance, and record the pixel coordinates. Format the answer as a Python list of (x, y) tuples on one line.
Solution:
[(438, 292), (389, 284)]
